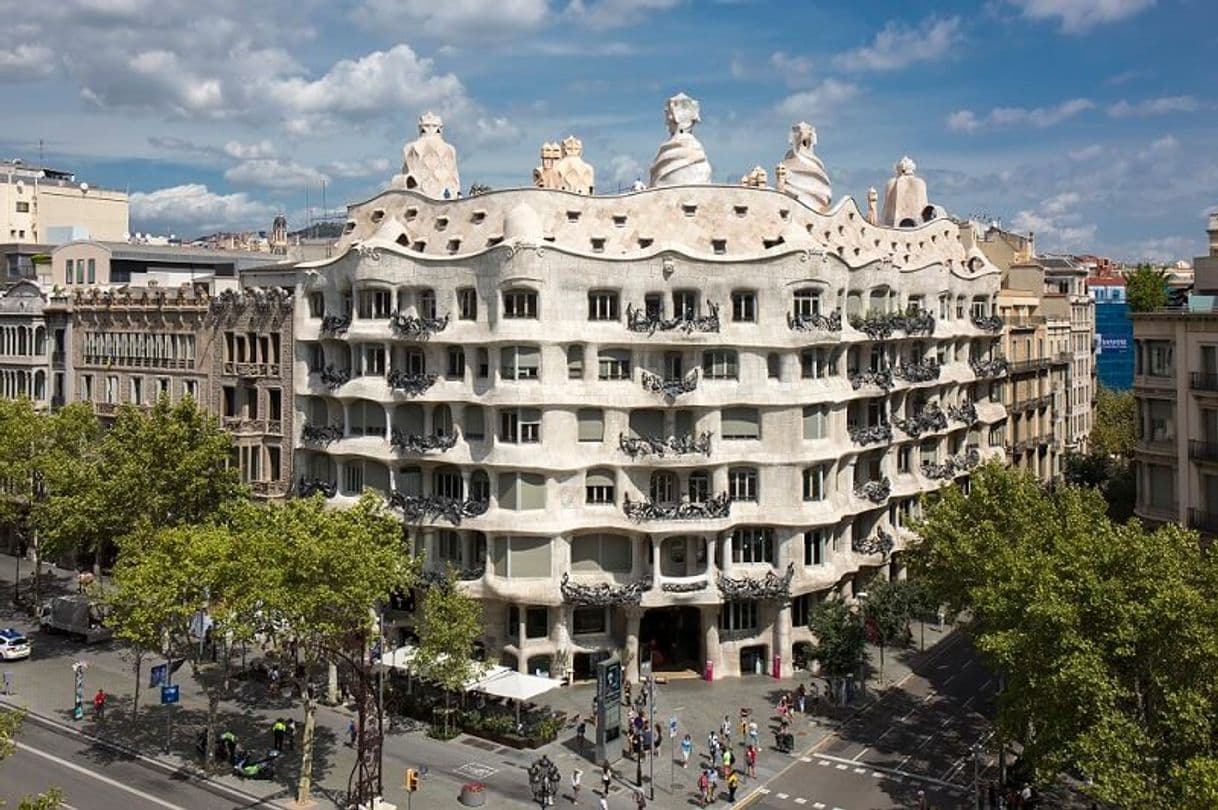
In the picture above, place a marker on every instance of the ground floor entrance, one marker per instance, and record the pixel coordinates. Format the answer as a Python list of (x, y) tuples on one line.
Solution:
[(673, 637)]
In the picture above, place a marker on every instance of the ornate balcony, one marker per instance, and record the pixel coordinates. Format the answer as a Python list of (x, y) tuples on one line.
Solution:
[(269, 489), (639, 320), (601, 594), (880, 379), (411, 383), (419, 508), (417, 444), (879, 543), (989, 368), (333, 377), (321, 434), (874, 491), (927, 420), (252, 370), (870, 434), (669, 389), (636, 446), (966, 412), (919, 372), (771, 586), (335, 325), (685, 586), (815, 323), (307, 486), (413, 327), (439, 576), (238, 424), (714, 508), (882, 325), (988, 323)]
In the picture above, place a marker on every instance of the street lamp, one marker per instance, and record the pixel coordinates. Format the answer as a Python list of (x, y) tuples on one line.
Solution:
[(543, 781), (976, 750)]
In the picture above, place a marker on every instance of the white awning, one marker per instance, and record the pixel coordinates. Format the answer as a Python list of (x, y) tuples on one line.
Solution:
[(402, 658), (508, 683)]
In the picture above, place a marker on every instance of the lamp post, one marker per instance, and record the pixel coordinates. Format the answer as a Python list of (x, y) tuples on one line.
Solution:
[(976, 750), (543, 781)]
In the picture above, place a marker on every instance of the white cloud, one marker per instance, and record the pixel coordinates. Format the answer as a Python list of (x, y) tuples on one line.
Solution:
[(818, 102), (495, 130), (624, 170), (1089, 152), (249, 151), (358, 168), (193, 206), (1167, 143), (1164, 105), (455, 19), (274, 173), (1039, 117), (1079, 16), (27, 61), (792, 67), (614, 13), (1055, 228), (897, 46)]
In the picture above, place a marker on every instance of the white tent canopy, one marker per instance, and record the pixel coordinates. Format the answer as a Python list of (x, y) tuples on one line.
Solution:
[(403, 657), (511, 684)]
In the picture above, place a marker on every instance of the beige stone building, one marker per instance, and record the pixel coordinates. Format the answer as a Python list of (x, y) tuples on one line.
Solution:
[(1176, 385), (666, 422), (39, 204)]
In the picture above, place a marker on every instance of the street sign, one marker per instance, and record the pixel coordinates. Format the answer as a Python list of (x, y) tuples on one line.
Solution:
[(156, 676), (169, 694)]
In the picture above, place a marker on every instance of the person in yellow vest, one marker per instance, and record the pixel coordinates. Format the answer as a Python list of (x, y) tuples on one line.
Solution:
[(733, 782), (279, 729)]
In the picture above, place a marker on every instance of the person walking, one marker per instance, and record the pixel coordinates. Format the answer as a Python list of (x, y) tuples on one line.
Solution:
[(704, 788), (291, 734), (726, 731), (744, 722), (576, 775), (733, 783), (228, 741), (750, 759), (279, 730), (801, 697), (606, 777), (604, 803), (640, 800), (99, 704), (754, 734), (713, 775), (729, 759), (581, 732), (687, 748), (351, 734)]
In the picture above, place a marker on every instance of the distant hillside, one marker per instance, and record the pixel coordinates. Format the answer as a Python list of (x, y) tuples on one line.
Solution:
[(320, 230)]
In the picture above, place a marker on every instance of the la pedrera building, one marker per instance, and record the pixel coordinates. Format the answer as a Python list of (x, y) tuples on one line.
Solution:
[(662, 423)]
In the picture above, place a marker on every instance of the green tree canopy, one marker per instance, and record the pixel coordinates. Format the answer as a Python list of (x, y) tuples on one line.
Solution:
[(451, 626), (841, 643), (1102, 632), (1114, 431), (1146, 289)]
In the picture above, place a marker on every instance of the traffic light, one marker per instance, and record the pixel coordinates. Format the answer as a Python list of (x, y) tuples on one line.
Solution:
[(412, 780)]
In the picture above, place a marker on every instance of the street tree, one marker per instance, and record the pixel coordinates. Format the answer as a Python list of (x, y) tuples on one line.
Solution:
[(332, 569), (1146, 289), (890, 606), (841, 642), (451, 626), (10, 725), (1101, 632)]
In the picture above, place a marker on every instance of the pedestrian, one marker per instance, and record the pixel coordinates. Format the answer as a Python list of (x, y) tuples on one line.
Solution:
[(606, 777), (922, 800), (714, 783), (715, 750), (733, 782), (292, 734), (704, 788), (576, 775), (728, 759), (744, 721), (351, 733), (656, 738), (726, 730), (228, 742), (604, 803), (279, 730), (640, 801), (580, 735), (687, 748), (801, 697), (750, 759), (754, 734), (99, 704)]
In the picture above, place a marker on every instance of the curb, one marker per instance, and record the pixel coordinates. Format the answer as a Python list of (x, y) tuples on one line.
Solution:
[(197, 777)]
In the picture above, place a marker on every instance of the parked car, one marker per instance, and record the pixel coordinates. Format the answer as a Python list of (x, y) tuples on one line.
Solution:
[(13, 644)]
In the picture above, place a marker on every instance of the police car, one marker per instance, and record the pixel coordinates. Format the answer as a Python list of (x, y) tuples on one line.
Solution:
[(13, 644)]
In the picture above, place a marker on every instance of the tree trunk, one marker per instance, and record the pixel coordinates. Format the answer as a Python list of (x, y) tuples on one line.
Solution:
[(305, 786), (881, 666), (139, 667), (37, 575), (213, 709), (331, 683)]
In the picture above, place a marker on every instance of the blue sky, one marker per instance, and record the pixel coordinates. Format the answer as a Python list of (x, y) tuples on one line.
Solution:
[(1090, 122)]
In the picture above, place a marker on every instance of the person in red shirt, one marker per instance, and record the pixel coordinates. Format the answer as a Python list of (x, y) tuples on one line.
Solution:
[(750, 757), (99, 704)]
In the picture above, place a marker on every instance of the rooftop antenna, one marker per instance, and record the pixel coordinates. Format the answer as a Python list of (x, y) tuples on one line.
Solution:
[(325, 212), (40, 159)]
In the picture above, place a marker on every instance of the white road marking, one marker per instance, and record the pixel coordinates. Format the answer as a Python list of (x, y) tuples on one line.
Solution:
[(805, 759), (783, 796), (824, 763), (950, 678), (860, 770), (970, 700), (819, 805), (876, 774), (801, 800), (103, 779), (885, 733), (896, 773), (859, 755), (841, 767), (763, 790)]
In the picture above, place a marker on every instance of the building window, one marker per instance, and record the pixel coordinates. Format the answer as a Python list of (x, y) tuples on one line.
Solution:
[(520, 426), (587, 621), (699, 486), (1160, 420), (753, 544), (1159, 354), (162, 387), (602, 305), (317, 305), (353, 478), (374, 360), (653, 305), (519, 362), (484, 364), (738, 616), (86, 387), (613, 364), (805, 303), (467, 304), (591, 424), (317, 358), (1162, 489), (742, 483), (815, 479), (903, 455), (815, 417), (23, 207), (663, 487), (80, 271), (68, 270), (814, 364), (773, 366), (375, 303), (137, 390), (521, 557), (719, 364), (92, 271), (685, 304), (456, 362), (741, 423), (815, 547), (575, 362), (520, 304), (522, 491), (112, 389), (598, 487), (744, 306)]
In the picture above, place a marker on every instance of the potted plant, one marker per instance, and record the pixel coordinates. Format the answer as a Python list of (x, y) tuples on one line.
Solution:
[(562, 664), (473, 794)]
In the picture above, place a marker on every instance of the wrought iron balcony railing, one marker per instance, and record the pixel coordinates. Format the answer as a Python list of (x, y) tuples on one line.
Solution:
[(988, 323), (713, 508), (418, 443), (335, 325), (1033, 364), (333, 377), (952, 466), (989, 368), (921, 371), (320, 434), (870, 434), (770, 586), (307, 486), (688, 445), (669, 388), (640, 320), (601, 594), (1203, 381), (879, 543), (417, 508), (882, 325), (816, 323), (927, 420), (411, 383), (880, 379), (413, 327), (965, 412), (874, 491), (439, 576)]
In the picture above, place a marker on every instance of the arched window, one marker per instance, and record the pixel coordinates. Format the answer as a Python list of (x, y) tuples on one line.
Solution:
[(663, 487), (442, 420), (446, 483)]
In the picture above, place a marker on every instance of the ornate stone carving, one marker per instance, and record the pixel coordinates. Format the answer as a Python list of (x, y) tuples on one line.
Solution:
[(874, 491), (307, 486), (321, 434), (601, 594), (429, 164), (872, 198), (262, 301), (681, 159), (879, 543), (871, 434), (990, 368), (332, 377), (670, 389), (988, 323), (880, 379), (685, 587), (757, 178), (919, 372), (419, 508), (335, 325), (966, 412), (881, 325), (572, 171), (822, 323), (417, 444), (806, 178), (930, 418), (715, 507), (411, 383), (771, 586), (638, 320), (544, 175), (952, 466), (635, 446), (905, 197), (439, 576), (413, 327)]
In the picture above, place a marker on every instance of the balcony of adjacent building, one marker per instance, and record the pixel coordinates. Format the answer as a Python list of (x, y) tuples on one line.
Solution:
[(1203, 451), (1203, 521), (1204, 381)]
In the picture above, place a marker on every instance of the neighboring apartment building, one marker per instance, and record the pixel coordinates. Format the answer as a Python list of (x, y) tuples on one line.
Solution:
[(1176, 385), (48, 206), (1113, 333), (1068, 278), (668, 421), (25, 350)]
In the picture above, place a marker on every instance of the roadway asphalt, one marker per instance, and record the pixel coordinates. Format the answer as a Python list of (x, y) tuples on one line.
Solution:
[(94, 778)]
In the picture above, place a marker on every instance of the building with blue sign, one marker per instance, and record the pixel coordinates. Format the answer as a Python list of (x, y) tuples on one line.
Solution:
[(1113, 333)]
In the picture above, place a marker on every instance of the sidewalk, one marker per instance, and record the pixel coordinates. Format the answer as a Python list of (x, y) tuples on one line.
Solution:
[(44, 686)]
